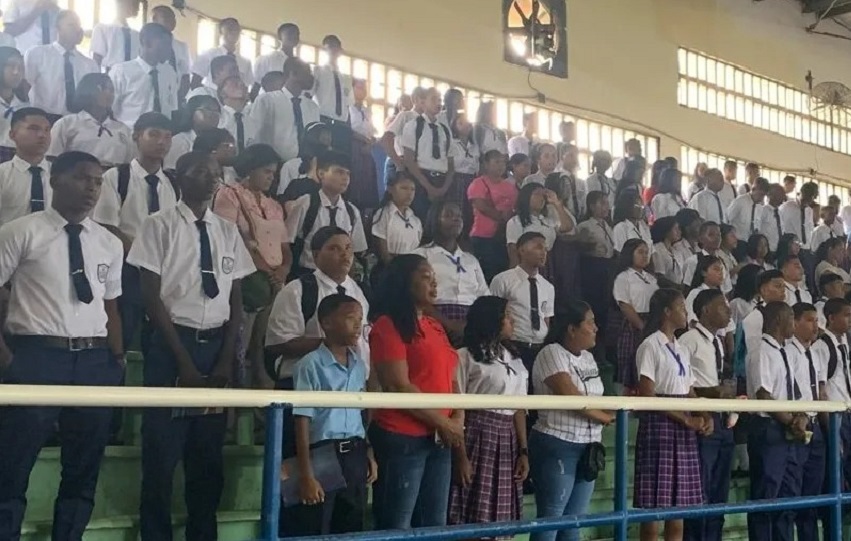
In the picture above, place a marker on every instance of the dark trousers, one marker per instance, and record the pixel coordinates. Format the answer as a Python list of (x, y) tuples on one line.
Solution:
[(421, 202), (716, 465), (83, 433), (775, 473), (845, 464), (343, 510), (492, 254), (813, 459), (197, 440), (341, 134)]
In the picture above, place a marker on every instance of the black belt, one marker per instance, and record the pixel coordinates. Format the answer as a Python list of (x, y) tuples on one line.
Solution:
[(202, 336), (341, 446), (81, 343), (329, 120), (433, 174), (527, 345)]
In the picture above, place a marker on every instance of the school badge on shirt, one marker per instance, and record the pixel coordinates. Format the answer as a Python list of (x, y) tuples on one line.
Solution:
[(103, 272), (227, 265)]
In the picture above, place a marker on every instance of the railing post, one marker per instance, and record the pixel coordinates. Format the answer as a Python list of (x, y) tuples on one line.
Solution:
[(834, 476), (271, 504), (621, 478)]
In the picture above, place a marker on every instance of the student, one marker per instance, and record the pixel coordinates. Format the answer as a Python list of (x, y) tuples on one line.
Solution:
[(219, 144), (360, 112), (745, 210), (221, 68), (486, 134), (395, 228), (273, 81), (531, 298), (391, 140), (281, 117), (793, 273), (729, 244), (546, 161), (147, 83), (570, 190), (770, 224), (773, 438), (758, 251), (519, 168), (54, 70), (235, 117), (453, 105), (690, 224), (567, 132), (428, 155), (633, 288), (188, 347), (831, 257), (230, 32), (666, 449), (669, 200), (751, 174), (11, 78), (665, 232), (826, 229), (837, 226), (61, 328), (789, 185), (116, 42), (744, 296), (831, 286), (297, 174), (595, 262), (332, 91), (31, 23), (708, 274), (90, 128), (706, 353), (289, 35), (770, 288), (493, 199), (179, 58), (728, 192), (628, 218), (649, 192), (527, 141), (632, 150), (708, 201), (130, 193), (540, 211), (200, 114), (467, 160), (25, 179), (311, 212), (493, 462), (334, 366), (598, 181), (796, 216), (367, 185), (710, 243)]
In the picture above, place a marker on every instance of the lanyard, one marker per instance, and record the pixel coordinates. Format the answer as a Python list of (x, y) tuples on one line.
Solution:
[(678, 358), (641, 277), (606, 231)]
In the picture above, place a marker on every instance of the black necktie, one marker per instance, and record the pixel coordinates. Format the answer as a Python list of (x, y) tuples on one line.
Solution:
[(77, 264), (793, 392), (533, 301), (208, 276), (573, 194), (341, 290), (240, 131), (153, 195), (803, 221), (719, 356), (338, 93), (127, 46), (36, 189), (102, 128), (798, 295), (69, 81), (332, 214), (720, 208), (155, 85), (753, 215), (435, 141), (45, 28), (299, 119), (812, 370), (172, 59), (777, 219), (843, 349)]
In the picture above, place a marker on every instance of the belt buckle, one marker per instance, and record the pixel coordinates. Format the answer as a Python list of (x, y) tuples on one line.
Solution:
[(79, 344), (345, 447), (198, 339)]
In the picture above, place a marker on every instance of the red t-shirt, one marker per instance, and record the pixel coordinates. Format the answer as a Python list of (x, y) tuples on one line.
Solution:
[(431, 367)]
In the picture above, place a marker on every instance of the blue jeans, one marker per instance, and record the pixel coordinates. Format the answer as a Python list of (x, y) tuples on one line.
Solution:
[(557, 490), (414, 474)]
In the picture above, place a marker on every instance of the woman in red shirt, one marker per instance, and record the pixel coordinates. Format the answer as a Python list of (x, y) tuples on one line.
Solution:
[(411, 353)]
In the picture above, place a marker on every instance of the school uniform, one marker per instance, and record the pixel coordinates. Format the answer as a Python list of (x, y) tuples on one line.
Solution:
[(690, 267), (181, 144), (210, 90), (706, 354), (744, 214), (402, 231), (599, 182), (111, 142), (54, 73), (329, 213), (240, 124), (432, 152), (821, 233), (775, 470), (197, 261), (740, 308), (281, 118), (838, 227), (632, 287), (361, 118), (571, 191), (115, 43), (798, 221), (710, 206), (826, 267), (520, 144), (771, 226), (596, 272), (273, 61), (396, 127), (466, 167), (24, 188), (181, 58), (332, 92), (460, 280), (365, 188), (342, 510), (41, 32), (547, 225), (141, 87), (61, 274), (667, 263), (693, 317), (684, 250), (795, 294), (831, 352), (627, 229), (667, 462), (201, 66), (664, 205), (7, 146), (491, 138)]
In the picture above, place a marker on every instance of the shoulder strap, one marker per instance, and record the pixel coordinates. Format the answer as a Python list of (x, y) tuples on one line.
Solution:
[(350, 209), (123, 181), (448, 137), (834, 357), (417, 134), (311, 215), (309, 296)]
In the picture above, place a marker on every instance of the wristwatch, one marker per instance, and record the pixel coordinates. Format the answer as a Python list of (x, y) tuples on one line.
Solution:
[(523, 451)]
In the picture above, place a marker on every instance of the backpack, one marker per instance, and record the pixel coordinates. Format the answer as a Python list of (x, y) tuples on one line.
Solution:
[(124, 181), (309, 303), (419, 133), (310, 216)]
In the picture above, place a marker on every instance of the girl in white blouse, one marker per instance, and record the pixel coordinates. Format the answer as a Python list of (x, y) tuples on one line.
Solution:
[(689, 221), (831, 257), (633, 287), (467, 156), (395, 227), (487, 135), (744, 293), (200, 113), (493, 463), (538, 210), (666, 262), (758, 251), (629, 221), (669, 200)]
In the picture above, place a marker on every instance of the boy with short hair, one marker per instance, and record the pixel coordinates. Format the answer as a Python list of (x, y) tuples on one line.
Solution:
[(116, 42), (230, 32), (179, 58), (221, 68), (793, 275), (770, 223), (288, 36), (708, 201), (334, 366), (831, 287), (233, 95), (219, 143), (25, 179), (770, 288), (332, 91)]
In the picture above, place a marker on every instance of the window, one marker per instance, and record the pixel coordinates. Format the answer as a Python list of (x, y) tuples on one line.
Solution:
[(92, 12), (727, 91)]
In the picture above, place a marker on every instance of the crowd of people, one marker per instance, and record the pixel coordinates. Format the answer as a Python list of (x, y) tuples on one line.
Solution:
[(226, 219)]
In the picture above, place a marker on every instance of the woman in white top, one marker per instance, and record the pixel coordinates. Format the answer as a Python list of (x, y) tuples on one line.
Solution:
[(666, 262), (669, 200), (629, 221), (493, 463), (729, 243), (831, 257), (486, 134), (538, 210), (667, 464), (566, 367), (466, 154), (201, 113), (633, 287)]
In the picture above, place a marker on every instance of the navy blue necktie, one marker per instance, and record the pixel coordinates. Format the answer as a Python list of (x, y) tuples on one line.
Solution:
[(341, 290), (77, 264), (299, 119), (36, 189), (45, 28), (70, 85), (240, 131), (155, 86), (208, 275), (153, 195), (435, 141), (535, 315), (127, 43), (338, 94)]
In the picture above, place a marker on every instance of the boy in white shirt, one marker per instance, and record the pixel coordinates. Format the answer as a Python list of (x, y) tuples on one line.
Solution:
[(826, 229), (830, 286), (31, 22), (744, 213), (770, 223), (332, 91), (288, 35), (707, 202), (116, 42), (221, 68), (793, 273), (229, 33), (233, 95), (796, 215), (180, 58), (25, 179)]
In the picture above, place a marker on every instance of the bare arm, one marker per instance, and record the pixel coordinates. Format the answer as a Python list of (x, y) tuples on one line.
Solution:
[(18, 27), (631, 315), (113, 328), (387, 143), (647, 387), (562, 385), (485, 206), (383, 253)]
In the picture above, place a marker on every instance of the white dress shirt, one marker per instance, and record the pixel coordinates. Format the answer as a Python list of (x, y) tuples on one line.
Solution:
[(740, 308), (182, 57), (129, 215), (8, 109), (702, 347), (34, 257), (466, 156), (792, 296), (709, 205), (821, 233), (325, 92), (397, 127), (769, 221), (547, 226), (744, 216), (635, 288), (627, 229), (599, 182), (665, 363), (402, 231), (362, 120), (108, 41), (423, 151), (692, 316), (227, 121), (838, 377), (492, 139), (684, 250), (273, 115), (45, 69), (286, 321), (598, 232), (110, 142), (169, 244), (134, 91), (769, 372), (519, 144), (290, 170), (16, 185), (667, 262), (181, 143), (808, 370), (514, 285), (666, 204), (295, 224), (727, 194), (504, 376), (456, 284), (201, 66), (273, 61), (792, 220), (752, 330), (32, 36)]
